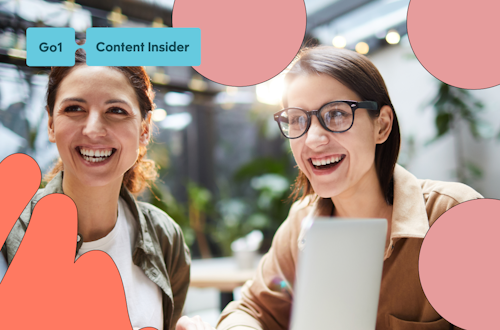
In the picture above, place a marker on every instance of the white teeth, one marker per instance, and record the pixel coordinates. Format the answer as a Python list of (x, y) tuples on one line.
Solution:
[(95, 156), (95, 153), (328, 161)]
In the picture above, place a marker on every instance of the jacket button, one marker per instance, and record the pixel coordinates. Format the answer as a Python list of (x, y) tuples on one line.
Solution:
[(154, 273), (78, 238)]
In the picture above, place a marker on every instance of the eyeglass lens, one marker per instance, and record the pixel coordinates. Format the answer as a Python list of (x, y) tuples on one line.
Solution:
[(337, 116)]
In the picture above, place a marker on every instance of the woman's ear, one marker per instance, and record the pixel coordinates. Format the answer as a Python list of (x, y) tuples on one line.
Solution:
[(384, 126), (52, 136), (146, 130)]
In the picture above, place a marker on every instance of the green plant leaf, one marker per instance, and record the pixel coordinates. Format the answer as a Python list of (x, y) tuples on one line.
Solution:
[(475, 171), (443, 123)]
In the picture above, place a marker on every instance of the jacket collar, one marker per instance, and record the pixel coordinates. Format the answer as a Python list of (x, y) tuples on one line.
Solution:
[(144, 241), (409, 215)]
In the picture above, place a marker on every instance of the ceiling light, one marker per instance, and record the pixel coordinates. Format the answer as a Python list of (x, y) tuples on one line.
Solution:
[(177, 121), (198, 84), (159, 114), (271, 91), (362, 47), (393, 37), (160, 78), (339, 42), (178, 99), (231, 90)]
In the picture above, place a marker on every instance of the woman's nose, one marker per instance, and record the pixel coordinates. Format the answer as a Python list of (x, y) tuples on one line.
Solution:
[(316, 135), (94, 126)]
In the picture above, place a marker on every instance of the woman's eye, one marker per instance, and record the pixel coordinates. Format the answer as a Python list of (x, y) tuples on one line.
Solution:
[(334, 114), (73, 108), (118, 111)]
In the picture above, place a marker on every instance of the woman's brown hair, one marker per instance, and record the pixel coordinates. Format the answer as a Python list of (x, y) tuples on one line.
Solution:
[(358, 73), (144, 170)]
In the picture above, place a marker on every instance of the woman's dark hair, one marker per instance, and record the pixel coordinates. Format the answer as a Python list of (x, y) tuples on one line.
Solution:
[(358, 73), (144, 170)]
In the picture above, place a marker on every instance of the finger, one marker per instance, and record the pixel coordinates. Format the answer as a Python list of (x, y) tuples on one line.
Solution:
[(200, 325), (20, 178), (182, 323), (207, 326), (52, 232), (186, 323)]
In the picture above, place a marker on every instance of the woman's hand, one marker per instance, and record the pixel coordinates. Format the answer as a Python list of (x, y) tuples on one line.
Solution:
[(194, 323)]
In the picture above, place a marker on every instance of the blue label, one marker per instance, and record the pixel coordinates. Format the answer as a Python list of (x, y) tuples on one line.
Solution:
[(50, 46), (115, 46)]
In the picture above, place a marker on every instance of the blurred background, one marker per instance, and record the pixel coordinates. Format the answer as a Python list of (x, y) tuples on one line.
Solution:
[(225, 169)]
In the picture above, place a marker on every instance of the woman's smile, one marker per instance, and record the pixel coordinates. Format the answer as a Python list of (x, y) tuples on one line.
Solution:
[(95, 157), (326, 165)]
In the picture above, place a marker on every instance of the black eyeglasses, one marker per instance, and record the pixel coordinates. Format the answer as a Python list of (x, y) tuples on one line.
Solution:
[(335, 116)]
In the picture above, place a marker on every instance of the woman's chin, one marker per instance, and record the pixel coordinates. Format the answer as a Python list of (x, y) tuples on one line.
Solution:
[(97, 180), (325, 193), (324, 190)]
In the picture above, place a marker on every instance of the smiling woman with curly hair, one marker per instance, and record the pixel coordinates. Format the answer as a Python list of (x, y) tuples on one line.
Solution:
[(100, 120)]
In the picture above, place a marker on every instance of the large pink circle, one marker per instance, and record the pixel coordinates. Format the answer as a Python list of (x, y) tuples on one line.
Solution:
[(244, 42), (459, 264), (457, 40)]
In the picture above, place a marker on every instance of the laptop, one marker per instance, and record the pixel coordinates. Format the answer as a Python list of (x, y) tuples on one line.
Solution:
[(3, 266), (339, 273)]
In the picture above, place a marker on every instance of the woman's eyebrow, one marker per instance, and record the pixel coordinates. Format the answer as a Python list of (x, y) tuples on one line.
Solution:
[(77, 99), (117, 101), (73, 99)]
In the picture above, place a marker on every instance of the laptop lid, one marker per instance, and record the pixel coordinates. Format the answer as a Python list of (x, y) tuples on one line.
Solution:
[(339, 274), (3, 266)]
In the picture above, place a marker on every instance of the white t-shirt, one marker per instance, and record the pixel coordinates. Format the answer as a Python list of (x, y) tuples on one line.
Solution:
[(144, 297)]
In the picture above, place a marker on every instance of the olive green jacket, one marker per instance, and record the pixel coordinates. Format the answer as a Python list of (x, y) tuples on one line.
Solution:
[(159, 248)]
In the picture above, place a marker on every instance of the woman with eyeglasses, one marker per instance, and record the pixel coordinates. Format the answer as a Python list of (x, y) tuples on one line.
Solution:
[(345, 138)]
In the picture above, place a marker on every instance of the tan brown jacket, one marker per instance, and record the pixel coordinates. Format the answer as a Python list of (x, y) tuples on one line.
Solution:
[(266, 301)]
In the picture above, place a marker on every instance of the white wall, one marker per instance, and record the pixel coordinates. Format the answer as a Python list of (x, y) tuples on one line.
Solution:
[(411, 89)]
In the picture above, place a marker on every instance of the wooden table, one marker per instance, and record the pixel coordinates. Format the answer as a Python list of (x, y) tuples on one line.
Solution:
[(222, 274)]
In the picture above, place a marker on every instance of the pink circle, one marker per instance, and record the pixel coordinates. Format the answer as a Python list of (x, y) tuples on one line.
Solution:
[(244, 42), (459, 264), (457, 40)]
